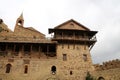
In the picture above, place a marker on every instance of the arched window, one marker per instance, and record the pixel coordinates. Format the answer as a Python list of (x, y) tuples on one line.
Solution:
[(26, 69), (8, 68), (101, 78), (19, 22), (53, 69)]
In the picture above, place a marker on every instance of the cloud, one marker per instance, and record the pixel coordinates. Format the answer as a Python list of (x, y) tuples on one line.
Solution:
[(100, 15)]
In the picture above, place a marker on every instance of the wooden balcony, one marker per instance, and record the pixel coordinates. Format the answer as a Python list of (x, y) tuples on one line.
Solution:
[(80, 38)]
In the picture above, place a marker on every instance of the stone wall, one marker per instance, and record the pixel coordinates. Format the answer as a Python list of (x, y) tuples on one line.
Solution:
[(108, 70), (73, 68), (108, 65), (74, 62), (110, 74)]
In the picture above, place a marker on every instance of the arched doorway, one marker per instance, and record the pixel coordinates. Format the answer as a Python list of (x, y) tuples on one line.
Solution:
[(53, 69), (101, 78), (8, 68)]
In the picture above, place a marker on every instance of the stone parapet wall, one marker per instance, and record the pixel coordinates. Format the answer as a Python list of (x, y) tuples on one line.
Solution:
[(111, 74), (108, 65)]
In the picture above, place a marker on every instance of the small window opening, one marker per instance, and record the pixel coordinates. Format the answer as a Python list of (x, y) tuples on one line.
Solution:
[(71, 73), (64, 57), (84, 57), (26, 69), (19, 22), (53, 69), (8, 68)]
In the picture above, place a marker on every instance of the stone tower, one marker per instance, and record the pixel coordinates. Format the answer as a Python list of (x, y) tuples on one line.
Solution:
[(20, 20), (73, 49)]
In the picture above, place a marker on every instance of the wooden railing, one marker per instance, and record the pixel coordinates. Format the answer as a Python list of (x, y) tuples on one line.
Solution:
[(15, 38), (76, 38)]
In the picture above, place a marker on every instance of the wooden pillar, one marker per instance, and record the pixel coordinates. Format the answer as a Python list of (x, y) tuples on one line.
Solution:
[(47, 50), (62, 35), (6, 49), (22, 50), (85, 45), (74, 40), (13, 52), (74, 35), (30, 50), (14, 48), (39, 50)]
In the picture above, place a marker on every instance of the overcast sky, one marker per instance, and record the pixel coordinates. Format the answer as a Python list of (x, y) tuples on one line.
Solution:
[(99, 15)]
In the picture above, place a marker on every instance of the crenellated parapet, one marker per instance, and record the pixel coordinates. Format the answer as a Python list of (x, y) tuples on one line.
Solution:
[(108, 65)]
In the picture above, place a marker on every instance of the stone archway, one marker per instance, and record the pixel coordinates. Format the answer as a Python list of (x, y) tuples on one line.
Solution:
[(101, 78), (52, 78)]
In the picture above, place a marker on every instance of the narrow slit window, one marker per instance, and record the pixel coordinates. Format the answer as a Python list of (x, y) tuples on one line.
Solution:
[(84, 57), (71, 72), (64, 57), (26, 69)]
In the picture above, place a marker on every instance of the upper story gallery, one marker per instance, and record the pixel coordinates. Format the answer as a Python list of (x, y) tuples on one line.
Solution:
[(28, 42)]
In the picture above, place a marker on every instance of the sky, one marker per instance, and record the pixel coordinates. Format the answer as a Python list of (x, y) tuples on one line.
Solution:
[(98, 15)]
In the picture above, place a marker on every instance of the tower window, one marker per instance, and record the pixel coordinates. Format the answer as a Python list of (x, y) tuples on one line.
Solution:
[(84, 57), (19, 22), (64, 57), (53, 69), (26, 69), (71, 72), (8, 68)]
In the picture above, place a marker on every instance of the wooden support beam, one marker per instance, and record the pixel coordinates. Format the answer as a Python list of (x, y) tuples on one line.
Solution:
[(47, 50), (39, 51)]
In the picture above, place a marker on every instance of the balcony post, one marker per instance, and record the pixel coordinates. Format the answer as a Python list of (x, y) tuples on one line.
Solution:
[(39, 50), (47, 50), (62, 35)]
